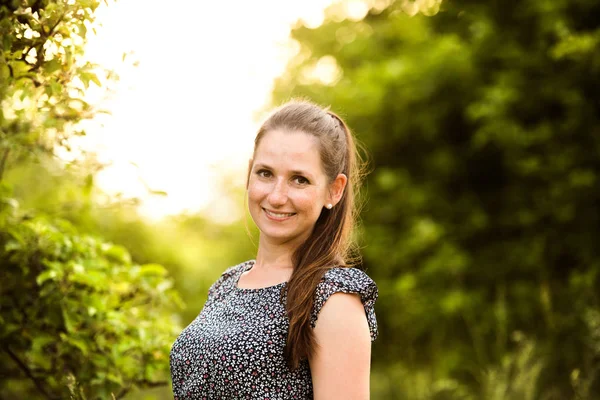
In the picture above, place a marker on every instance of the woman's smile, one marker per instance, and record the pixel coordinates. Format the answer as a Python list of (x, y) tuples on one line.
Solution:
[(278, 216)]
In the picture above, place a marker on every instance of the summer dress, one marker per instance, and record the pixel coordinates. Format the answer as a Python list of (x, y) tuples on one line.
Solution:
[(234, 348)]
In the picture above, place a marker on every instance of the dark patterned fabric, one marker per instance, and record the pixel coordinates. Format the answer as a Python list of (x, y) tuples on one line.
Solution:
[(234, 348)]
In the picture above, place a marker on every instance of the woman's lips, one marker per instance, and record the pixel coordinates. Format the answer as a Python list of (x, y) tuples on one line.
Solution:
[(278, 216)]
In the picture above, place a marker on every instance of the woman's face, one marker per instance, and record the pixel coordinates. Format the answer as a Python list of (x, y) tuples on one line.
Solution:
[(287, 187)]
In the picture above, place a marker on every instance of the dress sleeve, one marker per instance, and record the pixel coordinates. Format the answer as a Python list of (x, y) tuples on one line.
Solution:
[(221, 285), (347, 280)]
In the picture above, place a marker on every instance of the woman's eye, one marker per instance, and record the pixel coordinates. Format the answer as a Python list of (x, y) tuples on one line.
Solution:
[(263, 173), (301, 180)]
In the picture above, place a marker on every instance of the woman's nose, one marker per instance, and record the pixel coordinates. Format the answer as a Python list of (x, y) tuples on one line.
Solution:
[(278, 195)]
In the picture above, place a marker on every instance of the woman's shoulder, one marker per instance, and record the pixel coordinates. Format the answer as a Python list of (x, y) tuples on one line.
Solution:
[(236, 269), (230, 276), (347, 280)]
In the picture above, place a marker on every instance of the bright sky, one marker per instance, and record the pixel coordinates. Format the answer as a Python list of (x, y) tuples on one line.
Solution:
[(187, 114)]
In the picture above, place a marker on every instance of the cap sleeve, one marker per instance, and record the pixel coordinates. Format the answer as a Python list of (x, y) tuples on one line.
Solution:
[(225, 282), (347, 280)]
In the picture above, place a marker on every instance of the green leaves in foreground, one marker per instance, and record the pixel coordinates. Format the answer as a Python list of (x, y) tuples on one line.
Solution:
[(79, 318)]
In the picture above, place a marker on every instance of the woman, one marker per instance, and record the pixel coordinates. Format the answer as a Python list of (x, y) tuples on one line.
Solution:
[(296, 323)]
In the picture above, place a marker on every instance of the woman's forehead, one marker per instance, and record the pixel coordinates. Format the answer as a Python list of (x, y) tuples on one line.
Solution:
[(288, 147)]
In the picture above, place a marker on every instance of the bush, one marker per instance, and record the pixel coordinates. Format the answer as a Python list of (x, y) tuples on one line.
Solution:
[(78, 318)]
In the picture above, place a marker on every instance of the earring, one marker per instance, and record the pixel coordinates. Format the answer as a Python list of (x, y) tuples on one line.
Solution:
[(329, 206)]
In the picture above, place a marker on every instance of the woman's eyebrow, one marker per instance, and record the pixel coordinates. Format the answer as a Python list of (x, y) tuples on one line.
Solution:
[(293, 172), (262, 166), (299, 172)]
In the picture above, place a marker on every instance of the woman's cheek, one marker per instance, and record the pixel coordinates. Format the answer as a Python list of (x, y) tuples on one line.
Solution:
[(256, 190), (304, 199)]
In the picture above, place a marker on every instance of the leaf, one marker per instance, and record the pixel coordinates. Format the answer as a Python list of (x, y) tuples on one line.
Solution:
[(82, 29), (117, 253), (86, 77), (153, 269), (94, 279), (80, 344), (19, 68), (46, 275), (69, 324), (12, 245), (52, 66), (114, 378), (39, 342), (164, 285), (95, 79), (55, 88)]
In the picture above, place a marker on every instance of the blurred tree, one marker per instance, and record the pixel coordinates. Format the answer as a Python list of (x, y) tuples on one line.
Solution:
[(483, 213), (78, 318), (42, 78)]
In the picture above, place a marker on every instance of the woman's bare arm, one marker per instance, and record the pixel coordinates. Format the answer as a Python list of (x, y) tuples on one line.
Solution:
[(340, 366)]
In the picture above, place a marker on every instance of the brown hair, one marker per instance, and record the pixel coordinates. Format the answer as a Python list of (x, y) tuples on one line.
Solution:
[(330, 243)]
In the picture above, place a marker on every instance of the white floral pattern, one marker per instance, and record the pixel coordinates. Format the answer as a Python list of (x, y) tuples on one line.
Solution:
[(234, 348)]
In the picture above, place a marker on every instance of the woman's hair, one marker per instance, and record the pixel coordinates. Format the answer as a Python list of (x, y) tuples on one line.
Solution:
[(329, 244)]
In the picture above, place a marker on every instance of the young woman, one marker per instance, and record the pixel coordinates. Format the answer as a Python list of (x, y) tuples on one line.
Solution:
[(297, 322)]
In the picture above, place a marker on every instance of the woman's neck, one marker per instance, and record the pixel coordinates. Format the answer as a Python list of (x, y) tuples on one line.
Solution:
[(273, 256)]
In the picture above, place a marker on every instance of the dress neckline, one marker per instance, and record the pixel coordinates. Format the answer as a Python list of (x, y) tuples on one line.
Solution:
[(248, 265)]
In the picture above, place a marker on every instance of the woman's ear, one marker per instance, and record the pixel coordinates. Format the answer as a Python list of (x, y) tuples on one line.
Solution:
[(249, 170), (337, 187)]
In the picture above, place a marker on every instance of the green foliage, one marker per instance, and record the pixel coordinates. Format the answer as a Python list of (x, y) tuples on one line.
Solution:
[(483, 127), (517, 375), (42, 80), (79, 318), (76, 308), (194, 249)]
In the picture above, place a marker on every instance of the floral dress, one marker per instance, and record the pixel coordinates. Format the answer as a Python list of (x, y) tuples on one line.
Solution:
[(234, 348)]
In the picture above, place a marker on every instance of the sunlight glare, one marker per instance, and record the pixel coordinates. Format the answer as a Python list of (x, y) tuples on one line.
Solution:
[(185, 115)]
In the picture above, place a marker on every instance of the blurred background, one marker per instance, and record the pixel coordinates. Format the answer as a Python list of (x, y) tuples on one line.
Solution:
[(125, 132)]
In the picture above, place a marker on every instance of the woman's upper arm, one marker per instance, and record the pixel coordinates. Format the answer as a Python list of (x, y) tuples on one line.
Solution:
[(340, 365)]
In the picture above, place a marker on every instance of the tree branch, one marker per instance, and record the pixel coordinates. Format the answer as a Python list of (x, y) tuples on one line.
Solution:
[(40, 49), (3, 162), (28, 372)]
